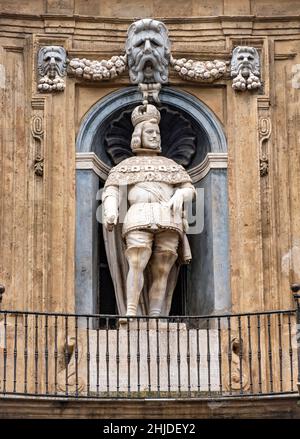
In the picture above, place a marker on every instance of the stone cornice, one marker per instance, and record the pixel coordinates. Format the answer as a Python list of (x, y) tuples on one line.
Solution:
[(211, 161), (90, 161), (184, 32), (173, 20)]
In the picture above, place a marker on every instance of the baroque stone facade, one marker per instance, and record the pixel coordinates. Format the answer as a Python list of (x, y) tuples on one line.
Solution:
[(68, 83), (38, 196)]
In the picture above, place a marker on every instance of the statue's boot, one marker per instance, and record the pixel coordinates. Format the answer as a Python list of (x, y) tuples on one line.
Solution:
[(161, 263), (137, 258)]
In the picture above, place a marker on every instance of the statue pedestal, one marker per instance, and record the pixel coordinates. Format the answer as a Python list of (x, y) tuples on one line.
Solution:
[(152, 359)]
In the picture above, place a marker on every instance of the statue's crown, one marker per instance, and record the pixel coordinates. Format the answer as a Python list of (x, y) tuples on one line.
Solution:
[(143, 113)]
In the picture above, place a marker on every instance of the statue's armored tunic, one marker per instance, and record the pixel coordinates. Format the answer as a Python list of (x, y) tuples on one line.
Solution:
[(151, 183)]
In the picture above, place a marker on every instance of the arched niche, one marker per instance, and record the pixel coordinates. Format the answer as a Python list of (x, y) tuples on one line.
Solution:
[(207, 277)]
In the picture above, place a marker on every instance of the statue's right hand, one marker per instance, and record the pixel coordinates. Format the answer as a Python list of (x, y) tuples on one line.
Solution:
[(110, 222)]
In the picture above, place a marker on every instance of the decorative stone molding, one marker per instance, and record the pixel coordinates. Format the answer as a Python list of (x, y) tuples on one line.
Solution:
[(245, 68), (98, 70), (204, 71), (52, 68)]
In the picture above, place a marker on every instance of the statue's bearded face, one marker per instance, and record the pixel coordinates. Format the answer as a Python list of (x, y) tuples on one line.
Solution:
[(245, 60), (148, 52), (52, 61), (151, 136)]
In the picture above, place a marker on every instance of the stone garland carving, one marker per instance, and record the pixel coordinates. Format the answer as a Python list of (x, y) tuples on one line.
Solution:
[(207, 71), (98, 70), (245, 68), (52, 68)]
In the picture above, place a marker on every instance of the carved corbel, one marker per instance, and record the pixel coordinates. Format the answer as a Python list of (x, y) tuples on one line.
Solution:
[(52, 68), (245, 68)]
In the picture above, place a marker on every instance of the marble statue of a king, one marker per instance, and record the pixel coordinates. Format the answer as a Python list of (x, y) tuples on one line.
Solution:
[(153, 232)]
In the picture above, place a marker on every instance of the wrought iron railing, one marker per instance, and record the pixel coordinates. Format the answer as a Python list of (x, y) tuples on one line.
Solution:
[(101, 356)]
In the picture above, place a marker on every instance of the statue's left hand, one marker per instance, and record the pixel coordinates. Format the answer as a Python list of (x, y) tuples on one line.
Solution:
[(176, 202), (110, 222)]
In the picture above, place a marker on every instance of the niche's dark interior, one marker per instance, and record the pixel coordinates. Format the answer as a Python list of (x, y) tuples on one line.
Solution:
[(182, 139)]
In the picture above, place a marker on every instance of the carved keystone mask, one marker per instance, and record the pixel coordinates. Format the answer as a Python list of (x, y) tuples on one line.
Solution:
[(245, 60), (148, 52), (52, 61)]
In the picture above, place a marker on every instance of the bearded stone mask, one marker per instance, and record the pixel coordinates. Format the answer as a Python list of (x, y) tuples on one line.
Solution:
[(245, 60), (148, 52), (52, 61)]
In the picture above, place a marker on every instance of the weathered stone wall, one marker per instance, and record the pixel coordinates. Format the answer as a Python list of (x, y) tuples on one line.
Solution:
[(37, 222), (232, 408)]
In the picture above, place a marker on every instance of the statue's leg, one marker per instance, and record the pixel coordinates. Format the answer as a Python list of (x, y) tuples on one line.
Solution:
[(162, 260), (138, 252)]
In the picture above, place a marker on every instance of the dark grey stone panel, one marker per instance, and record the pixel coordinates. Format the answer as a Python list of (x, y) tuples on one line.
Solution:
[(87, 242)]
